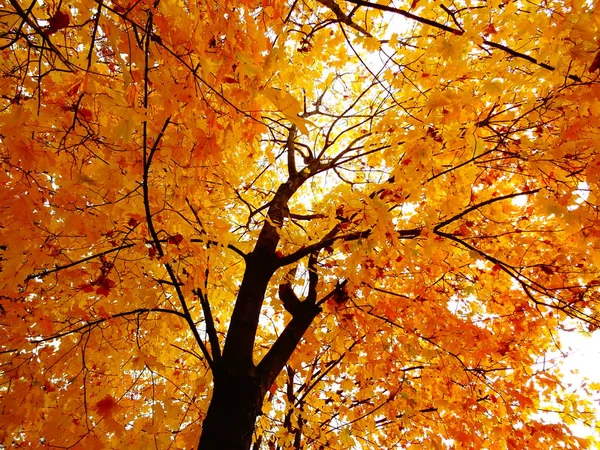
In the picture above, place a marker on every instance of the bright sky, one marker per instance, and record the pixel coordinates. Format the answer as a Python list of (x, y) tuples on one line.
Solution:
[(584, 361)]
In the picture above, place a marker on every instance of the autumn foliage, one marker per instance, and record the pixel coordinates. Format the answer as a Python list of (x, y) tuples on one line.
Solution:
[(311, 224)]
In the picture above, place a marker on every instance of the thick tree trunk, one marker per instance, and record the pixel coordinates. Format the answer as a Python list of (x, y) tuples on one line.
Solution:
[(237, 399), (238, 390), (239, 385), (231, 416)]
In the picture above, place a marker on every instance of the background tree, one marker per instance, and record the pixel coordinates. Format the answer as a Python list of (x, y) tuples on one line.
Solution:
[(304, 224)]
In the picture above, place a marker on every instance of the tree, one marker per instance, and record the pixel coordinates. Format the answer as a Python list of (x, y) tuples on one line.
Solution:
[(308, 224)]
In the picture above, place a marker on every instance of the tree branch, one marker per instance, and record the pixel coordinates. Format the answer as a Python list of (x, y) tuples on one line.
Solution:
[(291, 151), (534, 286), (479, 205), (342, 17), (331, 238), (457, 32), (406, 14), (330, 367), (41, 33), (114, 316), (47, 272), (307, 216), (261, 263), (213, 337), (188, 316), (286, 343), (193, 71), (148, 155), (288, 297)]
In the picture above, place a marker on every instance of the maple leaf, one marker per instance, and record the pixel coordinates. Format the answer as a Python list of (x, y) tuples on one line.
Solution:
[(85, 114), (175, 239), (107, 406), (57, 22), (289, 106), (104, 284)]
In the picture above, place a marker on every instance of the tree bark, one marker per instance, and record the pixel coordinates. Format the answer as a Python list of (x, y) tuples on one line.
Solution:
[(238, 389), (239, 385), (231, 416), (237, 398)]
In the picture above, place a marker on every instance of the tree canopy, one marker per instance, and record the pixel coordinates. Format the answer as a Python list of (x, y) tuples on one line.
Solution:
[(309, 224)]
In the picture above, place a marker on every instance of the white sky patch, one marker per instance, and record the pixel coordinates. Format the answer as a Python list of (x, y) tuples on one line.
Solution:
[(583, 191), (521, 200), (583, 366)]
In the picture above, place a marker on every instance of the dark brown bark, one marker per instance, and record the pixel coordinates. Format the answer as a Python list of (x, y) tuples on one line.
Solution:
[(231, 416), (239, 392), (238, 389), (240, 385)]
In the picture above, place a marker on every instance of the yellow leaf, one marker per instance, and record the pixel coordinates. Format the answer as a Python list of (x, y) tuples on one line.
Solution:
[(289, 106), (437, 100)]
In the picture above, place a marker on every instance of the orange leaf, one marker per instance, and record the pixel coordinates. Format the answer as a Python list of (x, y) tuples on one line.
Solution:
[(175, 239), (107, 406)]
